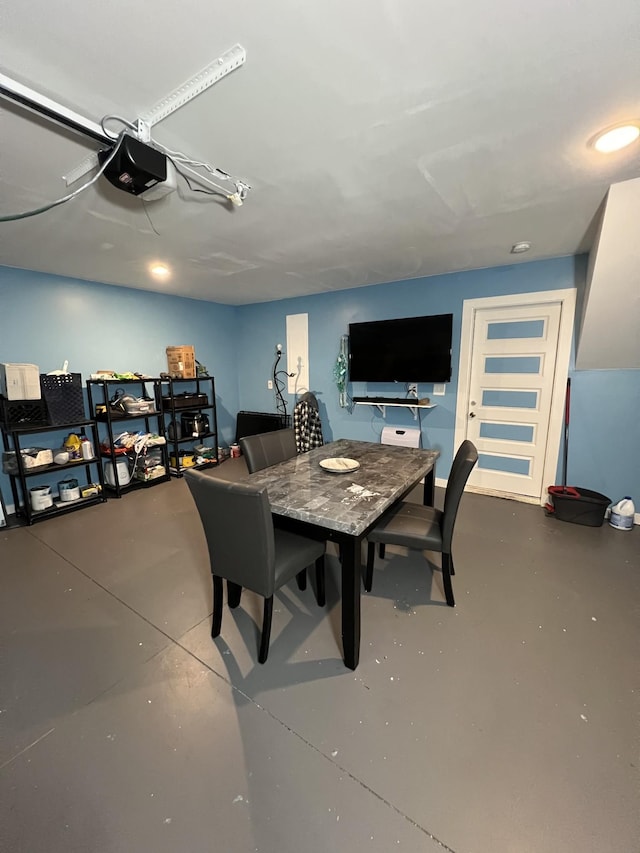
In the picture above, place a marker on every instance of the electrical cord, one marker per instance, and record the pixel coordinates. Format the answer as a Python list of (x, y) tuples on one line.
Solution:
[(15, 216), (144, 205), (124, 121), (241, 188), (223, 193), (278, 385)]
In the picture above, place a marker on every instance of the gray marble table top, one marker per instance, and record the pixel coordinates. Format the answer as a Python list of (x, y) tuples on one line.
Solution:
[(346, 502)]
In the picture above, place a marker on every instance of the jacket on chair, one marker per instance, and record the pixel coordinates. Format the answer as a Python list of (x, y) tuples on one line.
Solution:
[(307, 424)]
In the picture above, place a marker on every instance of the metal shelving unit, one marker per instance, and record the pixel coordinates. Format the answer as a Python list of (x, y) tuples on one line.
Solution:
[(153, 423), (12, 435), (178, 397)]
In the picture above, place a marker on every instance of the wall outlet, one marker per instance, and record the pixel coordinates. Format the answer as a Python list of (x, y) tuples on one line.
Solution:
[(412, 388), (439, 389), (269, 384)]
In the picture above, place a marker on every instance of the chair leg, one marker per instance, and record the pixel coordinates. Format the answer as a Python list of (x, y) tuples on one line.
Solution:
[(301, 579), (266, 629), (371, 556), (452, 570), (234, 591), (381, 550), (446, 580), (320, 591), (216, 623)]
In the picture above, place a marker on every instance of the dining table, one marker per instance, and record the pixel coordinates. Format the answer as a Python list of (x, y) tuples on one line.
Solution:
[(337, 492)]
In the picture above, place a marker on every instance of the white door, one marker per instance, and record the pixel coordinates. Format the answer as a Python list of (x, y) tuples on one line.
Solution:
[(510, 390)]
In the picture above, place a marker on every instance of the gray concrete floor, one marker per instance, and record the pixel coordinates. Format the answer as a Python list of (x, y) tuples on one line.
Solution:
[(506, 725)]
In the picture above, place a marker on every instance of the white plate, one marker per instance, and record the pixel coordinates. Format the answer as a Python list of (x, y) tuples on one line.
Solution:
[(339, 465)]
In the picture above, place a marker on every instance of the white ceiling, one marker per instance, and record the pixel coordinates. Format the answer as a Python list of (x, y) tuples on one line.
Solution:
[(383, 139)]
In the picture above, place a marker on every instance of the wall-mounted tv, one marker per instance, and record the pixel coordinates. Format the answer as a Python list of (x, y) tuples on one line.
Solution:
[(412, 349)]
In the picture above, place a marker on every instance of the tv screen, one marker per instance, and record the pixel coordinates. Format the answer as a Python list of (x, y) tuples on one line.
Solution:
[(412, 349)]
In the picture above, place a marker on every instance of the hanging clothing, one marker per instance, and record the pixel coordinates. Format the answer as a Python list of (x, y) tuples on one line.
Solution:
[(307, 424)]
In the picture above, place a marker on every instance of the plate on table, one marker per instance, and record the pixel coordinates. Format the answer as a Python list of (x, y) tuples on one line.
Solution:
[(339, 465)]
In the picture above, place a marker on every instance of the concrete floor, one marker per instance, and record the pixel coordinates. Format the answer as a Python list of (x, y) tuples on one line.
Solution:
[(506, 725)]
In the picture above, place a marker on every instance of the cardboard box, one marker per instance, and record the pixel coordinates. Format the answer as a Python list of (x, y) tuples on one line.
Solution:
[(20, 381), (181, 362)]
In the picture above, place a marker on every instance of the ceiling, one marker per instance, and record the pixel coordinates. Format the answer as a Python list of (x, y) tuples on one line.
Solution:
[(383, 140)]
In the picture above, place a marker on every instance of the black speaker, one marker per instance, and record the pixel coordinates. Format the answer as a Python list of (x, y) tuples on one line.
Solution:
[(135, 167)]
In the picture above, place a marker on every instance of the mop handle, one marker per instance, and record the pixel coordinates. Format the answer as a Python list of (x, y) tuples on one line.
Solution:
[(567, 403)]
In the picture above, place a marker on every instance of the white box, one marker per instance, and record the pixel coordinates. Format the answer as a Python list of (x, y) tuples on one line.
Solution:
[(32, 457), (19, 381), (404, 436)]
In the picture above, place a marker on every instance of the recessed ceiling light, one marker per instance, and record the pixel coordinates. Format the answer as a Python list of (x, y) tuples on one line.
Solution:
[(616, 138), (519, 248), (159, 270)]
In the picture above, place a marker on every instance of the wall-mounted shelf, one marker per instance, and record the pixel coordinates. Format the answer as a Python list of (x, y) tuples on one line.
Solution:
[(404, 404)]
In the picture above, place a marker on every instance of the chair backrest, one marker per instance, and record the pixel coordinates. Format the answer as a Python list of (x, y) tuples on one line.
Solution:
[(465, 459), (238, 526), (268, 448)]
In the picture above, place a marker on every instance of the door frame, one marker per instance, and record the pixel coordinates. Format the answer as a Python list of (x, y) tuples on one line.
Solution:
[(567, 300)]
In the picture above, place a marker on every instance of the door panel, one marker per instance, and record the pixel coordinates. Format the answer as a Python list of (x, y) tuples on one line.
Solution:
[(511, 385), (507, 432)]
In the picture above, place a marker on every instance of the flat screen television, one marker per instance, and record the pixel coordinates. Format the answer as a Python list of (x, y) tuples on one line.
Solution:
[(411, 349)]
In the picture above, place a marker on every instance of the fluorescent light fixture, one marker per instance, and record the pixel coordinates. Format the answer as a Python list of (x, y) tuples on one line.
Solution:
[(616, 138), (159, 270)]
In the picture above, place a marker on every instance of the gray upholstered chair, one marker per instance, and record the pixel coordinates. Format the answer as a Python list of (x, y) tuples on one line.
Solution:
[(268, 448), (425, 528), (244, 547)]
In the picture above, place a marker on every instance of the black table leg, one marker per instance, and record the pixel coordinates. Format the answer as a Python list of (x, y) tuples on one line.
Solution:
[(429, 495), (351, 570)]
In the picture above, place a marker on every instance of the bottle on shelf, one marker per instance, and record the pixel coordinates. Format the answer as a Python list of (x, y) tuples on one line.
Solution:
[(73, 446), (86, 445)]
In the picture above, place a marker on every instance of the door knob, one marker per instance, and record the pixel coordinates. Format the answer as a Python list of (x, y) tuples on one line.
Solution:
[(472, 414)]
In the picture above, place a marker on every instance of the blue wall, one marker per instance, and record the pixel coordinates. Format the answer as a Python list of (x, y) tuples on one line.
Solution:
[(595, 461), (46, 319), (604, 432)]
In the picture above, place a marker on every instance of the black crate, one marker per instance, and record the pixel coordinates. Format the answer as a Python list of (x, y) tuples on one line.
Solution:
[(63, 395), (15, 414), (586, 507)]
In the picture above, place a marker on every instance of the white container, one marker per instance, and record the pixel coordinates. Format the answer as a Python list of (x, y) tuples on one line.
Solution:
[(404, 436), (68, 490), (622, 514), (121, 472), (41, 498), (87, 448), (20, 381)]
